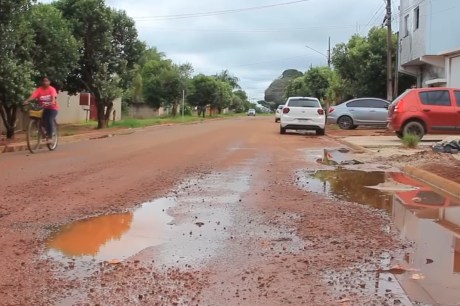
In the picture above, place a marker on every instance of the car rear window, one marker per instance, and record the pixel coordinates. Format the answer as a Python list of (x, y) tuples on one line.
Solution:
[(304, 103), (398, 99), (436, 97)]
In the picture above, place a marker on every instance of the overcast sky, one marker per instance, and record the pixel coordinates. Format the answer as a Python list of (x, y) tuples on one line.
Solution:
[(255, 45)]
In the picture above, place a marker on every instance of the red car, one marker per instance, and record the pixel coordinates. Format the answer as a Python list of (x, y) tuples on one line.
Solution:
[(426, 111)]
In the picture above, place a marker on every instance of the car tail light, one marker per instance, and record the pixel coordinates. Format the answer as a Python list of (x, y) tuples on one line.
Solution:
[(399, 107), (321, 111), (331, 110), (286, 110)]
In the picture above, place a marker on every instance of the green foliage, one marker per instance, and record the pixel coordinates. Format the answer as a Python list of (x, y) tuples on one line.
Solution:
[(56, 51), (411, 141), (227, 77), (276, 91), (204, 90), (109, 47), (16, 66)]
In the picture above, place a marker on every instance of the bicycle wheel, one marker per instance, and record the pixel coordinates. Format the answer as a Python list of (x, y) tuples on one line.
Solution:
[(34, 135), (53, 145)]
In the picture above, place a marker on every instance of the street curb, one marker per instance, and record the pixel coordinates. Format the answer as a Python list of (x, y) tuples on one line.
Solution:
[(356, 148), (434, 180)]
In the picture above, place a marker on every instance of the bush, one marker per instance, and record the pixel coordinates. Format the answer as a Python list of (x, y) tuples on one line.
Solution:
[(411, 141)]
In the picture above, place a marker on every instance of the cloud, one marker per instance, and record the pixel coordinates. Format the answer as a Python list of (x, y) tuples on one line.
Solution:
[(255, 45)]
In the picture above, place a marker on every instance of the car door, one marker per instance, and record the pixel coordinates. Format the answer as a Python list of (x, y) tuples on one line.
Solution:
[(438, 110), (457, 100), (379, 111), (359, 111)]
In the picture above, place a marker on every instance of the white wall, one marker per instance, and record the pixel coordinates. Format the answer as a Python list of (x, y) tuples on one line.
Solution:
[(444, 26)]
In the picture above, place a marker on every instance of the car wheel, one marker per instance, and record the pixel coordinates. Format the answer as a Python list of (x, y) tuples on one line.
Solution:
[(321, 132), (414, 128), (354, 127), (282, 130), (399, 134), (345, 123)]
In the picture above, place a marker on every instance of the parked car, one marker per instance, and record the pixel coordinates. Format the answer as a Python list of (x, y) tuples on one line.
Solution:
[(356, 112), (252, 112), (303, 113), (278, 113), (426, 111)]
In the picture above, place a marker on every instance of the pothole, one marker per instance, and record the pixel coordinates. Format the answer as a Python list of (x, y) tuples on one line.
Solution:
[(430, 273), (114, 237)]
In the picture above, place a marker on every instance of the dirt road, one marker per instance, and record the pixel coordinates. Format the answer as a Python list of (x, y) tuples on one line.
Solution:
[(229, 223)]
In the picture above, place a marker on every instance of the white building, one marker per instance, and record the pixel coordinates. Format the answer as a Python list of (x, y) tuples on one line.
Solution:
[(429, 42)]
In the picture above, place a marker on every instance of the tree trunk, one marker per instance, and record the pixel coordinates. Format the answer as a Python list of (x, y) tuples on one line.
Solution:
[(8, 114), (174, 108), (100, 114), (107, 114)]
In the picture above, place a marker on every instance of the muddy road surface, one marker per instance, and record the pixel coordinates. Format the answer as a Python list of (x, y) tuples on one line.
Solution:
[(219, 213)]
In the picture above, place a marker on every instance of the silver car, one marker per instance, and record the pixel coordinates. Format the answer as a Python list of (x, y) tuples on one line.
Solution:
[(356, 112)]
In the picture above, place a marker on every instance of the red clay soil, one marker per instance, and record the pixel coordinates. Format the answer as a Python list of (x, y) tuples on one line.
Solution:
[(280, 245), (449, 171), (334, 131)]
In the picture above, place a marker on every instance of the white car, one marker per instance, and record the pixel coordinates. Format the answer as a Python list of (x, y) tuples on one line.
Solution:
[(252, 112), (303, 113), (278, 113)]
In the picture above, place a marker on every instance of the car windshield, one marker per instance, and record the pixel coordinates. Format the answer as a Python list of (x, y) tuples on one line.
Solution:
[(304, 103)]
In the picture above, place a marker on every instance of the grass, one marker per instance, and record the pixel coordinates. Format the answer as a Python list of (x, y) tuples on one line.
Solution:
[(139, 123), (411, 141)]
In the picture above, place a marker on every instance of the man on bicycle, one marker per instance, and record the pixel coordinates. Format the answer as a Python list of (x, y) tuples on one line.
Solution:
[(46, 95)]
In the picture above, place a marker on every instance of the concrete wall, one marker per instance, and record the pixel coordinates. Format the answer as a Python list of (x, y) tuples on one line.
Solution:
[(439, 29), (143, 111), (444, 29), (70, 111), (413, 45)]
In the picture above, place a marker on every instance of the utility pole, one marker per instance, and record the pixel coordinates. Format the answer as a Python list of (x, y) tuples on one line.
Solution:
[(329, 53), (389, 53)]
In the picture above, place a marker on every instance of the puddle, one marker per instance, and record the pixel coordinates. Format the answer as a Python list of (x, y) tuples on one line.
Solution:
[(428, 217), (116, 236)]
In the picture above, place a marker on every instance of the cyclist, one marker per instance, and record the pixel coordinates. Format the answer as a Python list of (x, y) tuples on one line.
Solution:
[(47, 98)]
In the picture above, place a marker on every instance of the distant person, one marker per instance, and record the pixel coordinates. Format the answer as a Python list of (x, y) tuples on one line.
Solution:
[(46, 95)]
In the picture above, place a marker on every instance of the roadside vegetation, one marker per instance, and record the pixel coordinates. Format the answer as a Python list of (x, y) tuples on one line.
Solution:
[(411, 141), (358, 70), (87, 46)]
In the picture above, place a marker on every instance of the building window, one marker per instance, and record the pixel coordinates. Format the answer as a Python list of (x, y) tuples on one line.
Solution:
[(406, 26), (416, 18)]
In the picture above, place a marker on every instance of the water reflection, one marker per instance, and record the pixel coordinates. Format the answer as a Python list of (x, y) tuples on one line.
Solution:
[(115, 236), (424, 215), (436, 233)]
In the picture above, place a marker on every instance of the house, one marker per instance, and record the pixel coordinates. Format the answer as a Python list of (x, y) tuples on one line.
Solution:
[(429, 41), (141, 110), (71, 111)]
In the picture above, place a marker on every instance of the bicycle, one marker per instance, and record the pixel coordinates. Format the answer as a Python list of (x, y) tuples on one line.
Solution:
[(36, 130)]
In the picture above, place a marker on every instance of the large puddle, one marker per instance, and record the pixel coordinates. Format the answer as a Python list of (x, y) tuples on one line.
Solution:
[(428, 217), (114, 237)]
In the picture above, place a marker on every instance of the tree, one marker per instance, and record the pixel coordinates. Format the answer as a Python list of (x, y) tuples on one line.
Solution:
[(55, 53), (203, 92), (297, 88), (223, 97), (361, 64), (110, 49), (226, 76), (16, 67), (317, 81)]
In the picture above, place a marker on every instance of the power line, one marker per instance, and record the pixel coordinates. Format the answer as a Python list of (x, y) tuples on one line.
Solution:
[(215, 13)]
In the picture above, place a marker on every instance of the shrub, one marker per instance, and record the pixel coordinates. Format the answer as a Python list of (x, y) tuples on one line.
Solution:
[(411, 140)]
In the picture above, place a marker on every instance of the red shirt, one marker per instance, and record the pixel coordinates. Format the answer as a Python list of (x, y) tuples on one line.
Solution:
[(46, 97)]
